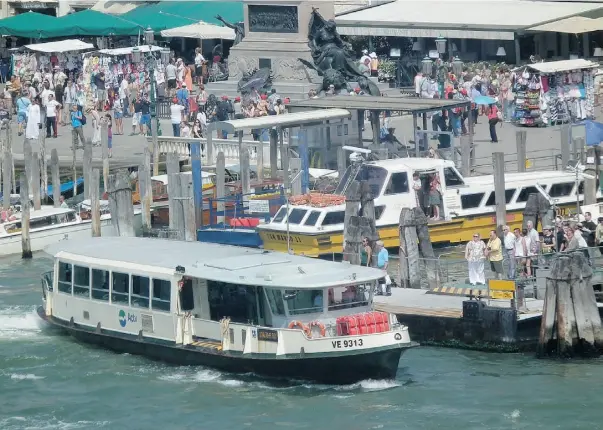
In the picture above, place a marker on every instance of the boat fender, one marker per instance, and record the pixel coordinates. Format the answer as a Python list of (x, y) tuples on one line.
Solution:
[(301, 326), (321, 326)]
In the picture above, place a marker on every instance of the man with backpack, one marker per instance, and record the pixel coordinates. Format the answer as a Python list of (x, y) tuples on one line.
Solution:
[(77, 122), (223, 113)]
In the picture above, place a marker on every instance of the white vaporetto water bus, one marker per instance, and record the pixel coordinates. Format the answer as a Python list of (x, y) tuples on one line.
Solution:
[(237, 309)]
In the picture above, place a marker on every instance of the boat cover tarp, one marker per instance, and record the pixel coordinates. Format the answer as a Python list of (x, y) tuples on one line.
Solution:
[(67, 186)]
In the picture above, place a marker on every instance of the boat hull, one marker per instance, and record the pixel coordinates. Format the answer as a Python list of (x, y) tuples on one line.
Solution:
[(339, 369), (459, 230)]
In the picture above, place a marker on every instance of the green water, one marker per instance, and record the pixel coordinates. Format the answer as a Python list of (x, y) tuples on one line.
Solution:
[(48, 381)]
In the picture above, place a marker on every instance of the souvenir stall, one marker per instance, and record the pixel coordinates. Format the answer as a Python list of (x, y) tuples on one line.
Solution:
[(117, 64), (554, 92), (30, 61)]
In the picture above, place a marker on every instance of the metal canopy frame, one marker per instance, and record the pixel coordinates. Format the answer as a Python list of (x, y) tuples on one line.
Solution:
[(297, 119), (413, 106)]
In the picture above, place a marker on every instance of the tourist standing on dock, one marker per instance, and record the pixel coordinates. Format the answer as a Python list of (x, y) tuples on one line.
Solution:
[(534, 247), (494, 254), (475, 255), (366, 253), (522, 251), (382, 263), (23, 103), (589, 229), (76, 123), (492, 121), (549, 243), (32, 131), (509, 241), (599, 234)]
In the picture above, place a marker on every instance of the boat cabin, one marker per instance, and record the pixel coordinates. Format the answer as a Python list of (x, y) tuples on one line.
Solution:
[(46, 217)]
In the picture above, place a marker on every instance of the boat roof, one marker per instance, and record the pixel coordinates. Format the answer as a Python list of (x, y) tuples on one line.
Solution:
[(412, 163), (525, 178), (164, 178), (44, 211), (215, 262)]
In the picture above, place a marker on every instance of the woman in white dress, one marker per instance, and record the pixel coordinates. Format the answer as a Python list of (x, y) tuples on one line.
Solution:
[(475, 256), (32, 131), (96, 127)]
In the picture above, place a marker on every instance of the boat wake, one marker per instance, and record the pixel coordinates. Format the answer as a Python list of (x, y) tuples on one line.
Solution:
[(25, 376), (251, 381), (48, 423), (19, 322)]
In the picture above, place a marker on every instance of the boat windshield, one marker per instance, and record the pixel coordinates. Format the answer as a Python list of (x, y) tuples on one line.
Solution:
[(304, 301), (373, 174)]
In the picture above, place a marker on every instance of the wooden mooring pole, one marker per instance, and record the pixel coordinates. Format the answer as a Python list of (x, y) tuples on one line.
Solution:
[(410, 276), (35, 181), (95, 202), (173, 168), (43, 167), (56, 178), (105, 151), (120, 204), (145, 188), (25, 240), (86, 168), (352, 206), (6, 179), (570, 325)]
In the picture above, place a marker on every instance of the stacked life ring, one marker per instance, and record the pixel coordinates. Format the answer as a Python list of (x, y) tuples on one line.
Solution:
[(321, 326), (301, 326)]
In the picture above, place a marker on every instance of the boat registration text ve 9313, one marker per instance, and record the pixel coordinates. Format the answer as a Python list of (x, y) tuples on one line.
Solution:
[(337, 344)]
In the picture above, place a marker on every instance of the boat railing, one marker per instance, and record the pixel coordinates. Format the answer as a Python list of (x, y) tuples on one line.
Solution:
[(541, 159), (230, 148), (47, 280), (244, 210)]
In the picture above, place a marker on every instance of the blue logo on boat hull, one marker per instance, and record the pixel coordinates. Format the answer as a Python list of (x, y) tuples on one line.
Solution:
[(122, 318)]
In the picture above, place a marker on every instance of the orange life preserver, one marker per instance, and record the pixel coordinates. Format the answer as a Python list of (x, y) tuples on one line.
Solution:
[(301, 326), (321, 326)]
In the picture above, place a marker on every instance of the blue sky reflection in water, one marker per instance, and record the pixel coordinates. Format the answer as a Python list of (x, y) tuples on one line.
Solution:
[(48, 381)]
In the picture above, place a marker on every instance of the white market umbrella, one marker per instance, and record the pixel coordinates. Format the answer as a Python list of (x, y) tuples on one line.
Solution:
[(201, 30)]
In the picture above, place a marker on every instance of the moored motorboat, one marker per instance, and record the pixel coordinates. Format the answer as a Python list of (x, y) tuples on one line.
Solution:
[(236, 309)]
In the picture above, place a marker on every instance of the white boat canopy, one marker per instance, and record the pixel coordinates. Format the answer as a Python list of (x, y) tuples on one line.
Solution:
[(127, 51), (573, 25), (287, 120), (68, 45), (200, 30), (561, 66)]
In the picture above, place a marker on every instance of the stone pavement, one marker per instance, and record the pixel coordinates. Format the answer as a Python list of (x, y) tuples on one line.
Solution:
[(542, 143)]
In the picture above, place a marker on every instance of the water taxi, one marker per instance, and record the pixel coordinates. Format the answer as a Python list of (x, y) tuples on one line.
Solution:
[(47, 226), (466, 205), (236, 309)]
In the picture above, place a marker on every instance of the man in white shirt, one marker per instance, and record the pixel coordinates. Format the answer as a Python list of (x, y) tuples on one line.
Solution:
[(509, 252), (176, 116), (170, 74), (418, 80), (534, 238), (45, 96), (124, 92), (199, 60), (51, 116)]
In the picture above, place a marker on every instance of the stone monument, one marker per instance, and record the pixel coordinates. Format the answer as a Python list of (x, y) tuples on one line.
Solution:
[(276, 37)]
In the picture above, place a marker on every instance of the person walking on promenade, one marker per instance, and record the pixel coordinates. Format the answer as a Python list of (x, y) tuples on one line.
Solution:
[(475, 255)]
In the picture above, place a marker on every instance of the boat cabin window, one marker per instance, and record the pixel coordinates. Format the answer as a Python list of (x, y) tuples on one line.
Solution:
[(100, 284), (332, 218), (280, 215), (65, 277), (140, 291), (348, 297), (508, 196), (379, 211), (81, 281), (469, 201), (40, 222), (120, 288), (304, 301), (296, 215), (398, 184), (561, 190), (525, 193), (312, 218), (275, 299), (237, 302), (452, 178), (375, 176), (581, 188), (161, 295)]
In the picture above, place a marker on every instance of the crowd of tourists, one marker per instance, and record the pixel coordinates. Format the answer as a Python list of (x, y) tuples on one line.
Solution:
[(523, 250)]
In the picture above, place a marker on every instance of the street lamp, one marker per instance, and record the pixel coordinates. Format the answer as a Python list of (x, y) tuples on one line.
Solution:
[(457, 66), (427, 66), (150, 63), (441, 44)]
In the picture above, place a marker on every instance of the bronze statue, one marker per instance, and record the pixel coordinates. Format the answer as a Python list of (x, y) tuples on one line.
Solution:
[(238, 28), (333, 58)]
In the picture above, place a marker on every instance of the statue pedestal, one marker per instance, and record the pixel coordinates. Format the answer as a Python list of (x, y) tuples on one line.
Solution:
[(275, 37)]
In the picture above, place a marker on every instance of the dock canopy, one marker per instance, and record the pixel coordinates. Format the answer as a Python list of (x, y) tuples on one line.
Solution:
[(396, 104), (69, 45), (93, 23), (201, 30), (30, 24), (573, 25), (560, 66), (286, 120), (128, 50)]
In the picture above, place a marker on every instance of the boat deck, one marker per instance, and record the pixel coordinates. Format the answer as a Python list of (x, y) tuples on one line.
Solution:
[(212, 344)]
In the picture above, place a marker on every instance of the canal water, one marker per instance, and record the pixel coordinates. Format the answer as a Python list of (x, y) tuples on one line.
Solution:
[(48, 381)]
